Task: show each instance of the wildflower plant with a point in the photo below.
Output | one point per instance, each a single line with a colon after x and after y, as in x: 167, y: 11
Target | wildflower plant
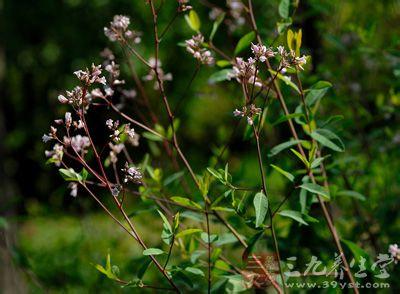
x: 214, y: 215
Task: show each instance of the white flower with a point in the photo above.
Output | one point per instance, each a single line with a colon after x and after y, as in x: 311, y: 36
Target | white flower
x: 91, y: 76
x: 245, y: 72
x: 195, y: 47
x: 132, y: 174
x: 118, y: 27
x: 80, y: 124
x: 46, y: 138
x: 129, y: 93
x: 394, y: 251
x: 109, y: 123
x: 62, y: 99
x: 152, y: 73
x: 68, y: 119
x: 237, y: 112
x: 115, y: 150
x: 80, y: 143
x: 74, y: 189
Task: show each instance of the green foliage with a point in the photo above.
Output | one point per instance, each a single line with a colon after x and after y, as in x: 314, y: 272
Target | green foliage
x: 244, y: 42
x: 357, y: 108
x: 260, y: 203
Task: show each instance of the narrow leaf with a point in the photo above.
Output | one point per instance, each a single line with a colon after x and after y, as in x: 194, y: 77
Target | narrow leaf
x: 295, y: 215
x: 216, y: 25
x: 165, y: 220
x: 325, y: 137
x: 316, y: 189
x: 195, y: 271
x: 186, y: 202
x: 219, y: 76
x: 278, y: 148
x: 283, y: 172
x: 187, y: 232
x: 260, y: 202
x: 152, y: 251
x: 244, y: 42
x: 317, y: 91
x: 353, y: 194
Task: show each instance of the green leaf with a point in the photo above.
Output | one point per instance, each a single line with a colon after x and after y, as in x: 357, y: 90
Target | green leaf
x: 153, y: 251
x: 301, y: 157
x: 70, y: 175
x: 226, y: 238
x: 278, y: 148
x: 260, y: 203
x: 223, y: 63
x: 172, y: 178
x: 283, y: 9
x: 204, y: 237
x: 283, y: 25
x: 187, y: 232
x: 152, y: 137
x: 295, y: 215
x: 252, y: 242
x: 353, y: 194
x: 316, y: 189
x: 286, y: 80
x: 195, y: 271
x: 325, y: 137
x: 186, y: 202
x: 287, y: 117
x: 216, y: 24
x: 219, y: 76
x: 317, y: 162
x: 3, y: 223
x: 193, y: 215
x: 108, y: 270
x: 316, y: 92
x: 357, y: 251
x: 193, y: 20
x: 196, y: 255
x: 244, y: 42
x: 143, y: 268
x: 283, y: 172
x: 165, y: 220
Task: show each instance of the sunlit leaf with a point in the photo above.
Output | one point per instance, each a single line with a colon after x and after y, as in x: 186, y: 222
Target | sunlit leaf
x: 153, y: 251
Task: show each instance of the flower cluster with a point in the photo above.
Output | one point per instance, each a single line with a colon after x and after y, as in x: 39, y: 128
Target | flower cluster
x: 56, y: 154
x: 236, y: 10
x: 113, y: 69
x: 80, y: 143
x: 74, y: 97
x: 115, y: 149
x: 245, y: 72
x: 115, y: 136
x: 289, y: 58
x: 118, y: 28
x: 183, y: 5
x: 250, y: 112
x: 132, y: 174
x: 394, y: 251
x: 91, y: 76
x: 261, y: 52
x: 152, y: 73
x: 195, y: 47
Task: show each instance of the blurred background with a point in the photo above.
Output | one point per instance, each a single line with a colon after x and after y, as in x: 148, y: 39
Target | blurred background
x: 49, y: 239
